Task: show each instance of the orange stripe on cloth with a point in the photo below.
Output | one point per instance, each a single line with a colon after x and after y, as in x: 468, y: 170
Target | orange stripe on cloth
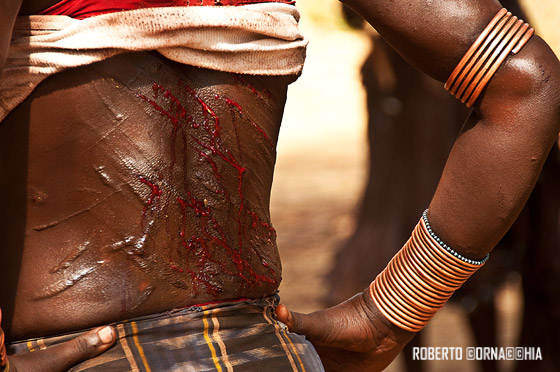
x: 277, y: 330
x: 209, y: 341
x: 294, y: 349
x: 139, y: 347
x: 126, y: 349
x: 30, y: 346
x: 221, y: 344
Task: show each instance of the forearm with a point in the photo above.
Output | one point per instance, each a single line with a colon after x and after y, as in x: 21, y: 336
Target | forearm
x: 490, y: 172
x: 8, y: 13
x: 492, y: 167
x: 498, y: 155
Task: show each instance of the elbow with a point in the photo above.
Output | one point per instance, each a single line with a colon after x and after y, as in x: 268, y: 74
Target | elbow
x: 538, y: 80
x: 526, y: 88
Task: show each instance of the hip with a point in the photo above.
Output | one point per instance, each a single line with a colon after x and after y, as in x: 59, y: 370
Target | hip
x: 227, y: 336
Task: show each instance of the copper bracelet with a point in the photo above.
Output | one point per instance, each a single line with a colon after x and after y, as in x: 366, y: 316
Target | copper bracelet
x: 420, y: 279
x: 504, y: 35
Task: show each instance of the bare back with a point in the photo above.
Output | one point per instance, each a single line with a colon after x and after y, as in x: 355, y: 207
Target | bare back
x: 133, y: 186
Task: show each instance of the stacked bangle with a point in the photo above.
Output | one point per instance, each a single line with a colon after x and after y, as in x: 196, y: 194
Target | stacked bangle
x: 504, y: 34
x: 420, y: 279
x: 4, y: 366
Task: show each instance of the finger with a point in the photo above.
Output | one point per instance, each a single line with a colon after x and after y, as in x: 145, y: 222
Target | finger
x: 62, y: 357
x: 294, y: 321
x: 305, y: 324
x: 84, y: 347
x: 284, y: 315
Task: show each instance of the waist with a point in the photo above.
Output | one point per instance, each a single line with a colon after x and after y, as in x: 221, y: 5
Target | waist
x: 81, y: 9
x: 190, y: 313
x: 244, y: 334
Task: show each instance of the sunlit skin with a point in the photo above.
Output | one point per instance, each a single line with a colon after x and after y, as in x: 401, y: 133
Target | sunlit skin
x: 119, y: 210
x: 140, y: 195
x: 489, y: 174
x: 135, y: 186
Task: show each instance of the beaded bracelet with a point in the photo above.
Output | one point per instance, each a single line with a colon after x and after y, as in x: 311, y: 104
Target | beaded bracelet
x: 420, y: 278
x: 504, y: 34
x: 446, y: 247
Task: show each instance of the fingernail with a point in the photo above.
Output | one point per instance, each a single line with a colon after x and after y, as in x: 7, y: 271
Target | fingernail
x: 105, y: 335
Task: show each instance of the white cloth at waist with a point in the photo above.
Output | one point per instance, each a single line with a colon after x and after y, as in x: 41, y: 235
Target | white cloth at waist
x: 258, y: 39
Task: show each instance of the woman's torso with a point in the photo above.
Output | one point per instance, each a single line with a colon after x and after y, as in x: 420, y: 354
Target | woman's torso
x: 134, y: 186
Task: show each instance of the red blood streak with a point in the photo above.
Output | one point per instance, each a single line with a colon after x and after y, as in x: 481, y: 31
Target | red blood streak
x: 207, y: 236
x: 235, y: 105
x: 174, y: 105
x: 155, y: 193
x: 231, y: 102
x: 174, y: 267
x: 176, y: 114
x: 242, y: 81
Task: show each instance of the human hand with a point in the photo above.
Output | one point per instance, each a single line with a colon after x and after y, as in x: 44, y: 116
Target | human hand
x: 352, y: 336
x: 61, y: 357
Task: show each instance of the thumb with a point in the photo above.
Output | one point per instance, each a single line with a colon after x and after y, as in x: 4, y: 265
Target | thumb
x: 63, y: 356
x: 285, y: 316
x: 308, y: 325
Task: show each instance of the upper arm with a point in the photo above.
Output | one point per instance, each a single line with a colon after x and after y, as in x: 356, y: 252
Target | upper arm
x: 431, y: 35
x: 8, y: 13
x: 499, y: 153
x: 434, y: 35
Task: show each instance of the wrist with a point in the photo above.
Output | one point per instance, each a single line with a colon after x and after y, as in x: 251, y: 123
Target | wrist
x: 388, y: 339
x: 382, y: 325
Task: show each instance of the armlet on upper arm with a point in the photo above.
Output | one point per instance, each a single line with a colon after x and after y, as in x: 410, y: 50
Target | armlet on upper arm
x: 504, y: 34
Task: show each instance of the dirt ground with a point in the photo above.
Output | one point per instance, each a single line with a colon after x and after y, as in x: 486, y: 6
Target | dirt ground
x: 321, y: 171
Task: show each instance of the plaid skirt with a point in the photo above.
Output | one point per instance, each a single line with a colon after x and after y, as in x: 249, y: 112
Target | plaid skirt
x: 227, y: 337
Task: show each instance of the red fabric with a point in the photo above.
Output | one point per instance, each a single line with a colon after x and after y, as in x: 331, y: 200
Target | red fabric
x: 81, y: 9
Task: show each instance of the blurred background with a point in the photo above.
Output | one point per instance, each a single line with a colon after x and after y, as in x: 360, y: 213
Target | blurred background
x: 323, y: 178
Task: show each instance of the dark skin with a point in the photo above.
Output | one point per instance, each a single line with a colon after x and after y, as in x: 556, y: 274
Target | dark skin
x: 489, y: 174
x: 488, y: 177
x: 130, y: 192
x: 142, y: 213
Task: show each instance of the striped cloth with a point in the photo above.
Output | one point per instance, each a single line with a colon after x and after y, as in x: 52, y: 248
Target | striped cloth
x: 228, y: 337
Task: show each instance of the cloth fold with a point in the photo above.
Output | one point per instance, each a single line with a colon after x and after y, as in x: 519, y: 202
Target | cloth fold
x: 257, y: 39
x: 241, y: 336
